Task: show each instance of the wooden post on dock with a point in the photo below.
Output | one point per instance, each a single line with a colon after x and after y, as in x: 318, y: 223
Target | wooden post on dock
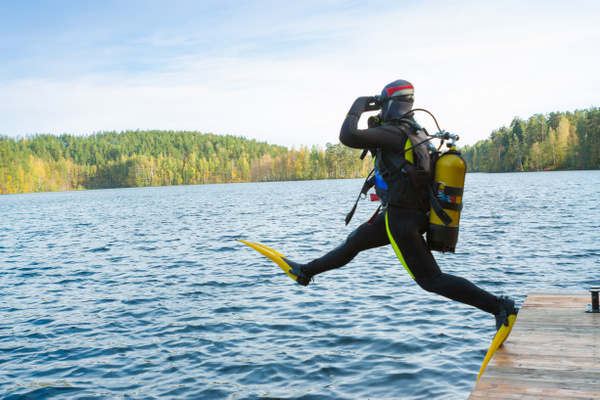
x: 553, y: 352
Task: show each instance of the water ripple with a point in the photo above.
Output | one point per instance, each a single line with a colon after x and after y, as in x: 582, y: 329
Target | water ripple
x: 144, y: 293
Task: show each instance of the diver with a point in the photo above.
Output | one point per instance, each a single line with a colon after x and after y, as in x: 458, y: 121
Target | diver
x: 402, y: 176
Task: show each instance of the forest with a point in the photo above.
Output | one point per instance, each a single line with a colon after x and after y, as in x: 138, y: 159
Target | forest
x: 556, y: 141
x: 43, y: 162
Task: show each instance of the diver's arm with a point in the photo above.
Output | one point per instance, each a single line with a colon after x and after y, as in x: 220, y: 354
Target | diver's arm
x: 380, y: 137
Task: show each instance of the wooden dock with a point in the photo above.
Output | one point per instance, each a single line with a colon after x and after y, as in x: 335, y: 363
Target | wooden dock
x: 553, y: 352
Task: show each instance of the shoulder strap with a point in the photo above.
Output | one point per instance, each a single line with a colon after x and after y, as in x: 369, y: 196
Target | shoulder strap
x: 369, y: 183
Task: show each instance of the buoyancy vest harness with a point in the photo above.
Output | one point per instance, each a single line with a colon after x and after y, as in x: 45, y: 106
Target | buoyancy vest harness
x: 402, y: 178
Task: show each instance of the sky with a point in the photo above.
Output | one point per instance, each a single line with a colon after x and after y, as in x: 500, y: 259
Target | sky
x: 287, y: 72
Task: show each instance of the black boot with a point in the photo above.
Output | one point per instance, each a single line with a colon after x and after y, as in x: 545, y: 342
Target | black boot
x: 507, y: 307
x: 298, y: 270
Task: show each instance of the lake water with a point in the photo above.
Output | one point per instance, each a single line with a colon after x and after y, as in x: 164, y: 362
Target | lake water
x: 145, y: 293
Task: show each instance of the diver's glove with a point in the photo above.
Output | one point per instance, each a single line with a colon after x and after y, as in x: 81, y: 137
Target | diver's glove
x: 373, y: 104
x: 362, y: 104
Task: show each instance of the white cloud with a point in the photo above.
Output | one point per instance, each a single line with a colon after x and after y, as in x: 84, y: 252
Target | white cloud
x: 290, y: 76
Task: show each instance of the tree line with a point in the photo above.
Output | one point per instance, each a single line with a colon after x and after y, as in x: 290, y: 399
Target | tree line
x: 42, y: 162
x: 555, y: 141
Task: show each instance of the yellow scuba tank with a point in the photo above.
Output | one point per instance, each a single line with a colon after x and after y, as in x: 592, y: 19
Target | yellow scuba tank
x: 448, y: 187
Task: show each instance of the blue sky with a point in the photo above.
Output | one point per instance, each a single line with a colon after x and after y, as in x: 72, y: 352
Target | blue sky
x: 287, y: 72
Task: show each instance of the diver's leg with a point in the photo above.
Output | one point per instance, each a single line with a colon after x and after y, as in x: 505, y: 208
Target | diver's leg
x: 406, y: 228
x: 366, y: 236
x: 462, y: 290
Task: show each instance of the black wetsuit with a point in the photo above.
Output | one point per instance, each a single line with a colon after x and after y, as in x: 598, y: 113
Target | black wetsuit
x: 399, y: 226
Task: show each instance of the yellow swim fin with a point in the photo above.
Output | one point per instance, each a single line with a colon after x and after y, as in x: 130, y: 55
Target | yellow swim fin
x: 273, y: 255
x: 500, y: 337
x: 268, y: 249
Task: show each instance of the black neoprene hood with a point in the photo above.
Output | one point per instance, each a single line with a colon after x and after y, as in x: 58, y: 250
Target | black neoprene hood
x: 396, y: 99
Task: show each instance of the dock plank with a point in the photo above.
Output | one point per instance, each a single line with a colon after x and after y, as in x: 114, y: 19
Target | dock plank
x: 553, y: 352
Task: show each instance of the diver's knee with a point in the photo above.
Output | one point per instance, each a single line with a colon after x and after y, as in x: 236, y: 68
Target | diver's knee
x: 429, y: 284
x: 426, y: 284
